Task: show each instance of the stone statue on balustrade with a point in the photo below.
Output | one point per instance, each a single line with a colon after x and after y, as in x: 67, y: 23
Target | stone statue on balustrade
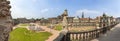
x: 65, y: 14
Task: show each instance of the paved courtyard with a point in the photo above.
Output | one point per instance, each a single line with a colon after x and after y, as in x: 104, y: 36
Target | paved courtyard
x: 113, y: 35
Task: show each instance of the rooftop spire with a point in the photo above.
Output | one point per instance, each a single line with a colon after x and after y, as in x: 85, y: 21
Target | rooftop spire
x: 82, y: 14
x: 104, y: 14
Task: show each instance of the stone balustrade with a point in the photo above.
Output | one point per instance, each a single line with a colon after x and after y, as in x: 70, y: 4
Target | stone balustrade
x: 84, y: 36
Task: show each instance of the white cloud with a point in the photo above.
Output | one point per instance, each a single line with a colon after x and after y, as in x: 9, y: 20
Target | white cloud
x: 44, y: 10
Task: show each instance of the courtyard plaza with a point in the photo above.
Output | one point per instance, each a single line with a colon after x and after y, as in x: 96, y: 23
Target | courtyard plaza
x: 55, y: 31
x: 51, y: 32
x: 21, y: 33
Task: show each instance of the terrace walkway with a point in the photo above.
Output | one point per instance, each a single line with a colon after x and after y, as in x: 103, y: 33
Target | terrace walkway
x: 113, y: 35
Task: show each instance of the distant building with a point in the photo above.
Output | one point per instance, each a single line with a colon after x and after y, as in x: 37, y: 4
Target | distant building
x: 54, y: 20
x: 70, y: 20
x: 22, y: 20
x: 77, y: 22
x: 99, y: 21
x: 106, y: 20
x: 44, y: 21
x: 118, y: 19
x: 15, y: 22
x: 32, y: 20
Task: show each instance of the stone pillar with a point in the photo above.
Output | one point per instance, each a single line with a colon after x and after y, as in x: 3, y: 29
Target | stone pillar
x: 5, y: 20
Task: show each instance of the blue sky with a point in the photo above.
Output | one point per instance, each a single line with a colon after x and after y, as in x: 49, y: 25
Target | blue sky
x: 53, y: 8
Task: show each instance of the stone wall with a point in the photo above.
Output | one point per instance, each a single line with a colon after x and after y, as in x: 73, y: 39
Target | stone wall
x: 5, y: 20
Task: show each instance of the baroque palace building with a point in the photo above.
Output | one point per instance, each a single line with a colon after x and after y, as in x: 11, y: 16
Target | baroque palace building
x: 70, y: 20
x: 58, y: 19
x: 99, y: 21
x: 5, y: 20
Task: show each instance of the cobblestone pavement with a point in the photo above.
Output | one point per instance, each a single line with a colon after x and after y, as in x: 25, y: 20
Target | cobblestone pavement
x: 113, y: 35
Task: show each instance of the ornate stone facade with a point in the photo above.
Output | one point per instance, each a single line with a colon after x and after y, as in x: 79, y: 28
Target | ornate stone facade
x: 118, y: 20
x: 106, y: 20
x: 5, y: 20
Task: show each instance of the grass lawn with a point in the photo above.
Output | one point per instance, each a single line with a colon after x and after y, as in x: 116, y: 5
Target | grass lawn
x: 58, y: 27
x: 22, y: 34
